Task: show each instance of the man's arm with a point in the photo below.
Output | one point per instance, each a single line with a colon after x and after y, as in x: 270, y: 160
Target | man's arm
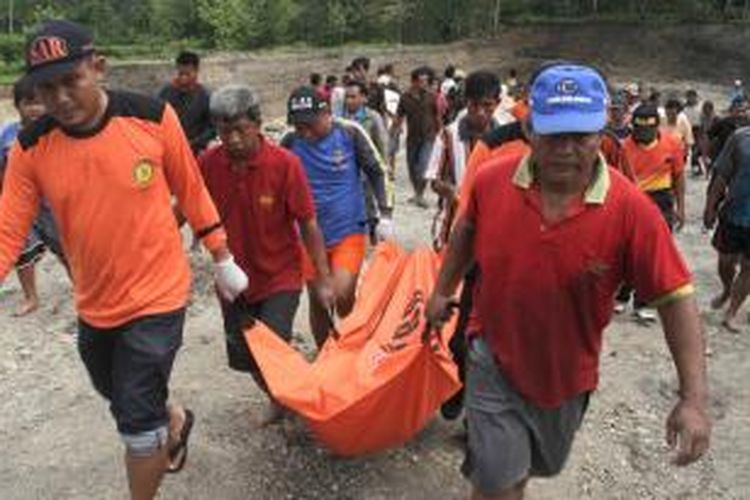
x: 679, y: 192
x: 688, y: 426
x: 398, y: 119
x: 374, y: 167
x: 724, y: 169
x: 208, y: 133
x: 655, y: 267
x: 380, y: 134
x: 315, y: 246
x: 186, y: 183
x: 458, y: 260
x: 19, y: 205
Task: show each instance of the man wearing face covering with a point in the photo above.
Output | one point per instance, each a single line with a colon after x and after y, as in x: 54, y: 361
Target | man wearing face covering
x: 658, y: 164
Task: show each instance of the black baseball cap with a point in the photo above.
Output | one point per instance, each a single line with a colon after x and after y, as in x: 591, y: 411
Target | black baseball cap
x: 646, y: 115
x: 55, y: 48
x: 304, y: 105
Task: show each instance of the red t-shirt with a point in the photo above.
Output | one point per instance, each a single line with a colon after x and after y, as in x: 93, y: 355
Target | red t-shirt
x: 546, y: 292
x: 260, y: 208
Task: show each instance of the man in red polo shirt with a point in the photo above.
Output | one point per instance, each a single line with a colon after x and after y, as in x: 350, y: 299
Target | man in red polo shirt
x: 555, y: 233
x: 265, y: 203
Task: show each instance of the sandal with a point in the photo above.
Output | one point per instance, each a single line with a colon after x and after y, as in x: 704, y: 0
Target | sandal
x: 179, y: 450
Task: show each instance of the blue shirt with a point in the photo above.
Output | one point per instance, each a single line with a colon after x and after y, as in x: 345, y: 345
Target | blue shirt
x: 334, y: 165
x: 733, y: 165
x: 7, y: 138
x: 334, y: 177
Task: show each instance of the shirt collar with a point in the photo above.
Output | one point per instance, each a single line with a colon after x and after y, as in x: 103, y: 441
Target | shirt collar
x: 596, y: 193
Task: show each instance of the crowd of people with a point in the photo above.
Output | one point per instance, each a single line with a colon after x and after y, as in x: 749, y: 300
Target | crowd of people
x: 557, y: 199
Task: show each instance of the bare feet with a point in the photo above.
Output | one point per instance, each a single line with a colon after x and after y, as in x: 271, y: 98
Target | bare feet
x: 26, y: 307
x: 719, y: 301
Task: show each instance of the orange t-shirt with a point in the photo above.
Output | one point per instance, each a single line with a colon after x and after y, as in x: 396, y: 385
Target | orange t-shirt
x: 655, y: 167
x: 110, y: 192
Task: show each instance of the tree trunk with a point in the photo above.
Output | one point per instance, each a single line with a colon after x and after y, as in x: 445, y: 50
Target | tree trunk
x: 496, y: 18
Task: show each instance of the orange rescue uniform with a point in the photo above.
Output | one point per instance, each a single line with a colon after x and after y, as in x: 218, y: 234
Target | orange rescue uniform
x: 110, y: 191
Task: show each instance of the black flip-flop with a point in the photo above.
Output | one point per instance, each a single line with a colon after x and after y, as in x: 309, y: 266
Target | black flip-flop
x: 180, y: 448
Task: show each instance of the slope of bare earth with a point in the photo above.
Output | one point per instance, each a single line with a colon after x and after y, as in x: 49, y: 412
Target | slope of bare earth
x: 712, y: 54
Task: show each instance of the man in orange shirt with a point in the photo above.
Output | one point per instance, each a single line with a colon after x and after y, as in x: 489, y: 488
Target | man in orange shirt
x: 108, y: 164
x: 657, y: 161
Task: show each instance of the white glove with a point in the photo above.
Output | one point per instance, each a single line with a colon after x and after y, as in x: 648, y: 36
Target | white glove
x: 231, y: 281
x: 386, y: 230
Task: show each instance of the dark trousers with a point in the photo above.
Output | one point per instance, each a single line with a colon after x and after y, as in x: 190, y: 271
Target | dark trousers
x: 276, y: 311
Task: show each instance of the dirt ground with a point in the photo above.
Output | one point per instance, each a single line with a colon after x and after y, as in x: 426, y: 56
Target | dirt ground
x: 58, y: 440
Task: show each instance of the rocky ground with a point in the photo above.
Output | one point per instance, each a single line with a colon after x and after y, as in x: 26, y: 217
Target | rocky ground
x: 58, y: 441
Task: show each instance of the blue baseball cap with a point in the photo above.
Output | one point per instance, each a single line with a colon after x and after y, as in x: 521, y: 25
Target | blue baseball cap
x: 568, y: 98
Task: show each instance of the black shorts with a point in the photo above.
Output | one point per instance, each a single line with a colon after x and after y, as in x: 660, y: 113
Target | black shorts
x: 730, y: 239
x: 276, y: 311
x: 130, y: 366
x: 664, y: 199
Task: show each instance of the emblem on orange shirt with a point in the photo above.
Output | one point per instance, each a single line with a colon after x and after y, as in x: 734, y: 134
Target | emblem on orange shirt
x: 143, y: 173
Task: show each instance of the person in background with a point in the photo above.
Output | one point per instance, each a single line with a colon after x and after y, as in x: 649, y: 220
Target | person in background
x: 707, y: 122
x: 692, y: 109
x: 388, y: 108
x: 356, y: 110
x: 336, y: 153
x: 512, y: 81
x: 738, y: 91
x: 419, y: 106
x: 445, y: 172
x: 331, y: 83
x: 190, y: 98
x: 337, y: 100
x: 633, y: 97
x: 615, y: 132
x: 316, y: 82
x: 657, y: 160
x: 722, y: 130
x: 360, y: 69
x: 728, y: 202
x: 449, y: 81
x: 674, y: 121
x: 29, y: 109
x: 454, y: 145
x: 266, y: 205
x: 520, y: 110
